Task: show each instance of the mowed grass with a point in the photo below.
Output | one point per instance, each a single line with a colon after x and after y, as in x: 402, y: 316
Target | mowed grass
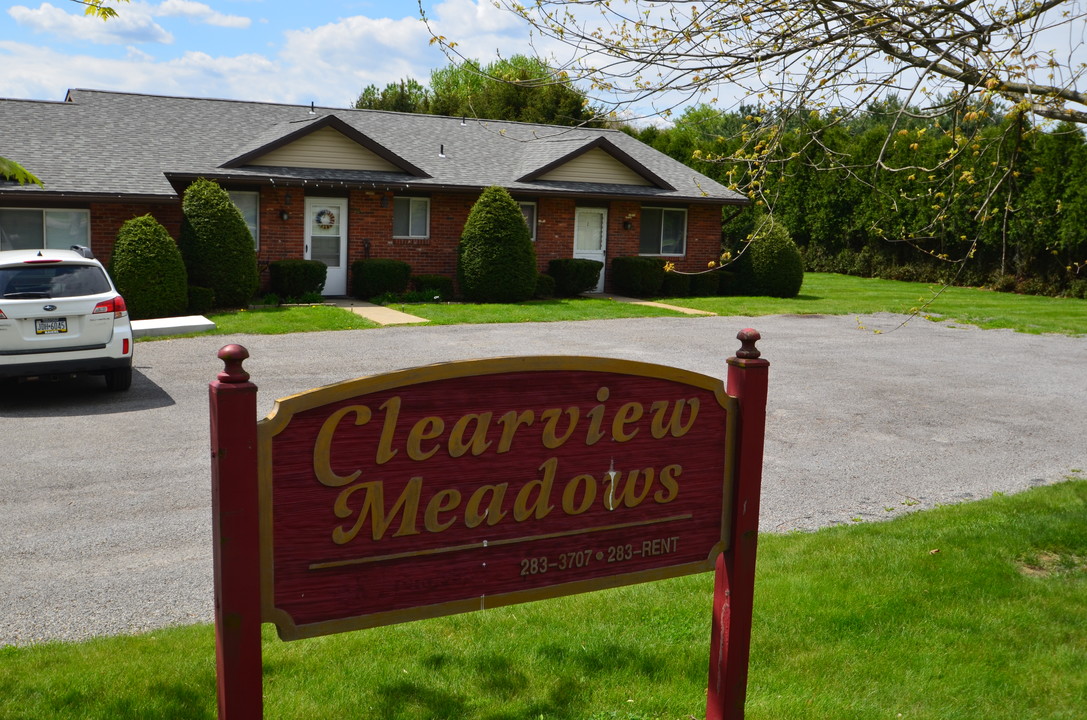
x: 534, y: 311
x: 958, y: 613
x: 830, y: 294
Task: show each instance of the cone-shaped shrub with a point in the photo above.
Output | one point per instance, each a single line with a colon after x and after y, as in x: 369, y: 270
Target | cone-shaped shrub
x: 497, y: 261
x: 772, y: 264
x: 148, y: 270
x: 217, y: 246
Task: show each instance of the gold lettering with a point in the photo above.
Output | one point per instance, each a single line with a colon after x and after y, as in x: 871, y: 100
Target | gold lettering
x: 385, y: 450
x: 428, y: 428
x: 627, y: 494
x: 443, y: 501
x: 596, y: 418
x: 668, y: 479
x: 510, y: 422
x: 628, y: 413
x: 322, y: 448
x: 478, y: 442
x: 373, y: 505
x: 550, y: 439
x: 522, y: 509
x: 674, y: 426
x: 570, y: 493
x: 493, y: 513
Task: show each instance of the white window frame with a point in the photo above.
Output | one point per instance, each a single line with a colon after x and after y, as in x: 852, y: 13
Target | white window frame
x: 660, y: 233
x: 411, y: 201
x: 255, y: 228
x: 45, y: 227
x: 522, y: 204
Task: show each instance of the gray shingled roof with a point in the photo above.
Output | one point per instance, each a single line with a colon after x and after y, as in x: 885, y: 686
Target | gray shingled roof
x: 119, y: 144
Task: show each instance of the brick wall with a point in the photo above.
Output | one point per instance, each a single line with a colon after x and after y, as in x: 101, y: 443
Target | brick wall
x: 107, y: 219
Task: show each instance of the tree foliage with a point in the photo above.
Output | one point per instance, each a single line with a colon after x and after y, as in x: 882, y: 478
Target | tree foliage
x: 519, y: 88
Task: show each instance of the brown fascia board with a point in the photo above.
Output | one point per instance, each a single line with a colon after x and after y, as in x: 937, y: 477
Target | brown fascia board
x: 608, y: 147
x: 29, y: 199
x: 336, y: 124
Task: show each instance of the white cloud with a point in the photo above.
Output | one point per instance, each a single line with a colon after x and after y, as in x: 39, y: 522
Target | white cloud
x: 199, y: 12
x: 131, y: 26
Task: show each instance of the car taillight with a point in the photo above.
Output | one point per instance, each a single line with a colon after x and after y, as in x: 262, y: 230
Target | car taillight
x: 114, y: 305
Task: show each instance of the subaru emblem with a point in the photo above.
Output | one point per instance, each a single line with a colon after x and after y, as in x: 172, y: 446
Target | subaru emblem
x: 49, y: 308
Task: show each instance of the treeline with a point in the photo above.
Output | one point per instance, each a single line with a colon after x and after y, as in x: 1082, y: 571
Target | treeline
x: 978, y: 198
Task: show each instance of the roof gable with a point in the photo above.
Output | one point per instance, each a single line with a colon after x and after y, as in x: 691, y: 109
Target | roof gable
x: 326, y: 143
x: 598, y: 161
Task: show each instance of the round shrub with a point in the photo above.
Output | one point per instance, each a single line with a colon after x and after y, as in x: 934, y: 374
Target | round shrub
x: 201, y: 300
x: 440, y: 285
x: 148, y: 270
x: 295, y: 278
x: 217, y: 246
x: 706, y: 284
x: 379, y: 276
x: 545, y: 286
x: 771, y: 264
x: 574, y: 276
x: 496, y: 258
x: 637, y: 276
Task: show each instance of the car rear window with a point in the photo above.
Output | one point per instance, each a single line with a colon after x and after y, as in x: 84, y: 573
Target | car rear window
x: 52, y: 281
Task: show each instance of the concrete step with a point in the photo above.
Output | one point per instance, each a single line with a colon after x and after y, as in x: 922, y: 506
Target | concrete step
x: 171, y: 325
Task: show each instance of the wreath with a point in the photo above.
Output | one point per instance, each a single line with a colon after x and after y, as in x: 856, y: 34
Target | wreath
x: 325, y: 219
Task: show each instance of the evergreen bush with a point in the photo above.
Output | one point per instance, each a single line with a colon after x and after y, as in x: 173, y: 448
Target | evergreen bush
x: 706, y: 284
x: 675, y: 285
x: 545, y: 286
x: 440, y: 285
x: 216, y: 245
x: 201, y: 300
x: 295, y: 278
x: 637, y: 276
x: 771, y: 264
x: 574, y: 276
x: 378, y: 276
x: 148, y: 270
x: 496, y: 257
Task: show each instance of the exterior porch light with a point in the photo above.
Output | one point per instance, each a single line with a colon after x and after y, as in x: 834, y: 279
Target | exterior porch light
x: 284, y: 215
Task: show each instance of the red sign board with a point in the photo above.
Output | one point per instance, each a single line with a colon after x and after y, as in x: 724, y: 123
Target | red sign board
x: 470, y: 485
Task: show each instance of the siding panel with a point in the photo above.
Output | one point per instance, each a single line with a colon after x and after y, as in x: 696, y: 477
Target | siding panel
x: 595, y: 166
x: 325, y: 148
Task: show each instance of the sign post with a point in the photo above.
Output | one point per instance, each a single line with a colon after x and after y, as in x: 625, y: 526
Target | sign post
x: 469, y: 485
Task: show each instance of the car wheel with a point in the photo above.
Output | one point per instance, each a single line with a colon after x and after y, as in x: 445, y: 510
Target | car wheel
x: 119, y: 379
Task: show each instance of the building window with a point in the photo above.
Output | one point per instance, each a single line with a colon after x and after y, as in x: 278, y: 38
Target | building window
x: 248, y: 203
x: 411, y: 217
x: 664, y: 231
x: 35, y: 229
x: 528, y: 209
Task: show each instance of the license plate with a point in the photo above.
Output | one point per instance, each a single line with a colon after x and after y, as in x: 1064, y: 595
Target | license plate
x: 51, y: 326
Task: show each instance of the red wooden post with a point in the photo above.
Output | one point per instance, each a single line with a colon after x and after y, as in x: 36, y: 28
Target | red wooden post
x: 734, y: 581
x: 235, y: 533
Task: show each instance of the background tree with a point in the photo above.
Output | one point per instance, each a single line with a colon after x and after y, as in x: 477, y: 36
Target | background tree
x: 404, y: 96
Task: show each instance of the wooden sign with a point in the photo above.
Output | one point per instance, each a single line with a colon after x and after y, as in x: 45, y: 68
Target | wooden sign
x: 469, y: 485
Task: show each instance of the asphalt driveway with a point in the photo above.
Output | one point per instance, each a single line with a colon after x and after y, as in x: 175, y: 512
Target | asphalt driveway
x: 105, y: 499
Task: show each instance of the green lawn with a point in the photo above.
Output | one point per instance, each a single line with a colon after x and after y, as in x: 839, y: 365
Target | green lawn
x: 957, y: 613
x: 829, y: 294
x: 822, y: 294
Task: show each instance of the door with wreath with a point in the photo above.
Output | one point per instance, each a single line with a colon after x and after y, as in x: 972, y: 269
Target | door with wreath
x: 326, y: 240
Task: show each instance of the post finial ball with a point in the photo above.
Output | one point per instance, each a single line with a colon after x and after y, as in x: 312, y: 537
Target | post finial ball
x: 748, y: 337
x: 232, y: 357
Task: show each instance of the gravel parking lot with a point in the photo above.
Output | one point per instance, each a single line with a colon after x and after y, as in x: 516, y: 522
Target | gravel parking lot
x: 105, y: 499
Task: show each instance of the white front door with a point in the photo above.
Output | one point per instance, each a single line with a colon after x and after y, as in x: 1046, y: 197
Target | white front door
x: 591, y: 237
x: 326, y: 240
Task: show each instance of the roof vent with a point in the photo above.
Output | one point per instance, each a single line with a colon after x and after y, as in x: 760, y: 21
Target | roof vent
x: 463, y: 120
x: 312, y: 111
x: 441, y: 151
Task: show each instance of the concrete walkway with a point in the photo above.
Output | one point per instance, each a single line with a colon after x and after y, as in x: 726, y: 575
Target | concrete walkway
x: 636, y: 301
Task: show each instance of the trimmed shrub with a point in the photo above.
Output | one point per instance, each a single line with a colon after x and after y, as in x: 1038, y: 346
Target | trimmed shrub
x: 637, y: 276
x: 771, y: 264
x: 440, y: 285
x: 295, y: 278
x: 574, y: 276
x: 545, y: 286
x: 496, y: 258
x: 148, y: 270
x: 378, y: 276
x: 706, y: 284
x: 201, y: 300
x: 217, y: 246
x: 675, y: 285
x: 726, y: 283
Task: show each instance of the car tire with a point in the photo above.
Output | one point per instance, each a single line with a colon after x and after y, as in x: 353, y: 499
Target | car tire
x: 119, y: 379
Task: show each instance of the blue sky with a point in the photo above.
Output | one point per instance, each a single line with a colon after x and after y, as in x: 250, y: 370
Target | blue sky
x: 268, y: 50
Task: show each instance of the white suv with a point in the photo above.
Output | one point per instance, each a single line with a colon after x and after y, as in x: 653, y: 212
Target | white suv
x: 60, y: 315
